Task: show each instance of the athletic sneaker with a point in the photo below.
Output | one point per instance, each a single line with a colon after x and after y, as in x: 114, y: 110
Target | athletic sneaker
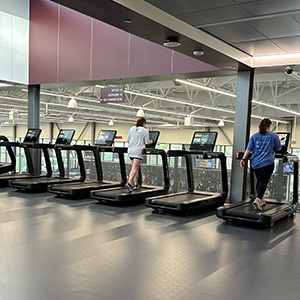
x: 129, y: 186
x: 136, y: 187
x: 257, y: 204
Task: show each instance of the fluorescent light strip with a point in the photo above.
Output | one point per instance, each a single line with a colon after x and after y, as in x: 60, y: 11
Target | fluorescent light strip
x: 276, y: 107
x: 177, y: 101
x: 286, y: 55
x: 205, y: 87
x: 273, y: 120
x: 171, y: 113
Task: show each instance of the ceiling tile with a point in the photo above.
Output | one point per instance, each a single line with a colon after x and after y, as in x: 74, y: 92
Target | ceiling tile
x: 214, y: 15
x: 290, y: 44
x: 175, y: 7
x: 232, y: 33
x: 258, y: 8
x: 277, y: 26
x: 257, y: 48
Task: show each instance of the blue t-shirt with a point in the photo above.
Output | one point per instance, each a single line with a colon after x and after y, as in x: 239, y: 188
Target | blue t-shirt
x: 263, y: 149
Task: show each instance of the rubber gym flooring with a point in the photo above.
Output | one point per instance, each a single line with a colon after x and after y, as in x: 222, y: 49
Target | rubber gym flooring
x: 63, y: 249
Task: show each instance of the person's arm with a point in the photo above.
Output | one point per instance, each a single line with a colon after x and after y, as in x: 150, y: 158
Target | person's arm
x: 147, y: 141
x: 245, y: 156
x: 278, y: 145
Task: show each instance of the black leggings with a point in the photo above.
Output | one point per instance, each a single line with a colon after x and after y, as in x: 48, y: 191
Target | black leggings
x: 263, y: 176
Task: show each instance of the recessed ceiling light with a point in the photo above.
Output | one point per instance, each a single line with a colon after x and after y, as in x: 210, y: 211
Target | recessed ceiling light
x: 172, y: 43
x: 198, y: 52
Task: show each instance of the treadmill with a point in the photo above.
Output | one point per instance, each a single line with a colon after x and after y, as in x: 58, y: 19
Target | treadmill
x: 121, y: 195
x: 275, y: 209
x: 30, y: 139
x: 63, y: 141
x: 6, y: 167
x: 79, y: 190
x: 202, y: 146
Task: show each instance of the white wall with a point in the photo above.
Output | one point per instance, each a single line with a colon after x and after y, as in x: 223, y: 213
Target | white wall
x: 14, y: 40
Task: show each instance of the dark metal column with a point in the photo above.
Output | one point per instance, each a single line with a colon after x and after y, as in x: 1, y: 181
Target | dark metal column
x: 34, y: 120
x: 241, y: 132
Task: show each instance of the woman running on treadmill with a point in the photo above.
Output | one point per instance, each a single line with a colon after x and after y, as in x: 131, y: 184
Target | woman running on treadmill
x: 263, y: 145
x: 138, y: 138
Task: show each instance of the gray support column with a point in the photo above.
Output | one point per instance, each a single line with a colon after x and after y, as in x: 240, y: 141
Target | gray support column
x: 241, y: 131
x: 93, y: 133
x: 34, y: 120
x: 51, y: 131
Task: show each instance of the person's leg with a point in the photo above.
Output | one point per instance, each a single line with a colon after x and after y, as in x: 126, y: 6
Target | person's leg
x: 264, y: 177
x: 134, y: 173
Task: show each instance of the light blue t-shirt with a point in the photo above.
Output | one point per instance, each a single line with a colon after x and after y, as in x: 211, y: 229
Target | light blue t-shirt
x: 263, y: 149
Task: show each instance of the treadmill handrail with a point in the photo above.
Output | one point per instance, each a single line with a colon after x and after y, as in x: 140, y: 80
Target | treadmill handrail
x: 206, y: 155
x: 11, y: 153
x: 286, y: 157
x: 58, y: 148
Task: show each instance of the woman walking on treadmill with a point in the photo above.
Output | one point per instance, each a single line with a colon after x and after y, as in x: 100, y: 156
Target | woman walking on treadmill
x: 138, y: 138
x: 263, y: 145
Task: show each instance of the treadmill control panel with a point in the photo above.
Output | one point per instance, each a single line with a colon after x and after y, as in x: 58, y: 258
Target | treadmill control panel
x: 32, y: 135
x: 284, y: 138
x: 153, y: 135
x: 65, y: 136
x: 204, y: 141
x: 106, y: 137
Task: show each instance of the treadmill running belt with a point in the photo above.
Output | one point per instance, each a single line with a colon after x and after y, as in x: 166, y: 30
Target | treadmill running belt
x: 249, y: 210
x: 179, y: 198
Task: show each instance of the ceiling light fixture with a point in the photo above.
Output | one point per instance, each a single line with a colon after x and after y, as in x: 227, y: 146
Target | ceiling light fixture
x: 111, y: 123
x: 71, y: 119
x: 72, y: 103
x: 221, y: 123
x: 140, y: 113
x: 172, y: 42
x: 198, y: 52
x: 205, y: 87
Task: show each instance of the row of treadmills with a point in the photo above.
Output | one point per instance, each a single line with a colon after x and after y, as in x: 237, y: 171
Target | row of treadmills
x: 156, y: 197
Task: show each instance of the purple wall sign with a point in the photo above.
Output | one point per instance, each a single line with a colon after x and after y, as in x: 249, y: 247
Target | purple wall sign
x: 112, y: 94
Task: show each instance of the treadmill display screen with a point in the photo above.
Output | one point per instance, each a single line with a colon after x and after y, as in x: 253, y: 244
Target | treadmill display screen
x: 32, y: 135
x: 204, y: 141
x: 153, y: 135
x: 65, y: 136
x: 106, y: 137
x: 284, y: 141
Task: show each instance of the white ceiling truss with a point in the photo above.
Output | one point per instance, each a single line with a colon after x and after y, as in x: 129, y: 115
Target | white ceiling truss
x: 164, y: 102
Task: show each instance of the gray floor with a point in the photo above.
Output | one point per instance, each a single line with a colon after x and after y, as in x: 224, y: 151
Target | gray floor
x: 59, y: 249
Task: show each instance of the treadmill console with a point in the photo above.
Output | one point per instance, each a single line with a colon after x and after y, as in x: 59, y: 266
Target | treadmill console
x: 284, y: 138
x: 65, y: 137
x: 204, y: 141
x: 106, y: 138
x: 32, y: 135
x: 153, y: 135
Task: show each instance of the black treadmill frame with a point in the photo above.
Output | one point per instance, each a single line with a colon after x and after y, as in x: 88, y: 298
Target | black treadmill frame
x: 268, y: 217
x: 122, y: 195
x: 69, y: 192
x: 205, y: 198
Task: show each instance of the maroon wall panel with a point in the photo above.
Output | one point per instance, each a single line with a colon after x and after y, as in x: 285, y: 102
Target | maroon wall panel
x: 109, y: 52
x: 186, y: 64
x: 74, y: 46
x: 66, y: 46
x: 147, y: 58
x: 43, y: 39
